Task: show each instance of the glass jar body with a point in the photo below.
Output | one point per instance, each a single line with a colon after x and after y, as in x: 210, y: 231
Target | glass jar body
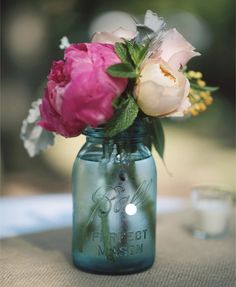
x: 114, y: 206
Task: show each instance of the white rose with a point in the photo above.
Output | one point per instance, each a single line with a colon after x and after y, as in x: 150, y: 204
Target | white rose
x: 161, y: 91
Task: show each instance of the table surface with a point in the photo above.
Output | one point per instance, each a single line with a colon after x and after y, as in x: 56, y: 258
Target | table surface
x: 44, y: 258
x: 30, y: 214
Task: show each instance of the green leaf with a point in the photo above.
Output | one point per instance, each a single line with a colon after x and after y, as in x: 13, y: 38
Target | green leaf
x: 130, y: 48
x: 142, y: 53
x: 137, y: 52
x: 158, y: 137
x: 122, y: 70
x: 122, y: 52
x: 117, y: 102
x: 123, y: 118
x: 206, y: 88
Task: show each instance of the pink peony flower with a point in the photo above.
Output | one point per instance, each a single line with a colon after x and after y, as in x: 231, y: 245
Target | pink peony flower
x: 79, y: 92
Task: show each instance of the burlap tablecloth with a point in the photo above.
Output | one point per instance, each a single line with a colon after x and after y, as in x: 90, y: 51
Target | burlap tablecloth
x: 43, y: 259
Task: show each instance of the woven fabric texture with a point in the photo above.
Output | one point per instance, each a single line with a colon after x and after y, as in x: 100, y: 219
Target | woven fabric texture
x: 43, y: 259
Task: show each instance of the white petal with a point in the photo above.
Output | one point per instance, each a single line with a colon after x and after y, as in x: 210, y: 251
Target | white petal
x: 173, y: 42
x: 152, y: 21
x: 158, y: 73
x: 181, y: 58
x: 106, y: 38
x: 185, y: 104
x: 34, y: 112
x: 64, y: 43
x: 35, y: 138
x: 123, y: 33
x: 156, y: 100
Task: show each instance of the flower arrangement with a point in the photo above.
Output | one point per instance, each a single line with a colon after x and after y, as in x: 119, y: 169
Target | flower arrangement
x: 118, y: 79
x: 113, y: 80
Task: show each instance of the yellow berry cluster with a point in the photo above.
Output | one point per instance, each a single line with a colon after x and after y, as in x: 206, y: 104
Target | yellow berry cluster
x: 194, y: 75
x: 198, y: 97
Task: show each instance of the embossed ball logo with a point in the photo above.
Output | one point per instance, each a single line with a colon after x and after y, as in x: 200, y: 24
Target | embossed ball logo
x: 107, y: 198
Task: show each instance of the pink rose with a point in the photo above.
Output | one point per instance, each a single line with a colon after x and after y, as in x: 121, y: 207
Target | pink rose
x: 175, y: 50
x: 79, y: 92
x: 162, y: 90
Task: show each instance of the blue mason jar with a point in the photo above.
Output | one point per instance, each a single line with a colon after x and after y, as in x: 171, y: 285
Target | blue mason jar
x: 114, y: 203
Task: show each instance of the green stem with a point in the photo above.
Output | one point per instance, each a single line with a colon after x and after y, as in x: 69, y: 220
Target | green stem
x: 105, y: 222
x: 123, y: 176
x: 206, y: 88
x: 106, y: 238
x: 147, y: 203
x: 86, y: 227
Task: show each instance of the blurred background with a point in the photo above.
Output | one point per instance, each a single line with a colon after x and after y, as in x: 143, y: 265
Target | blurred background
x: 198, y: 150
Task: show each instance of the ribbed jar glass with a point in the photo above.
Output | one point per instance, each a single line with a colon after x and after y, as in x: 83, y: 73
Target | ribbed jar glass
x: 114, y: 203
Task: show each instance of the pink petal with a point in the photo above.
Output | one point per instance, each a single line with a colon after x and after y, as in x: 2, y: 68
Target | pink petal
x: 180, y: 59
x: 105, y: 37
x: 174, y: 43
x: 124, y: 33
